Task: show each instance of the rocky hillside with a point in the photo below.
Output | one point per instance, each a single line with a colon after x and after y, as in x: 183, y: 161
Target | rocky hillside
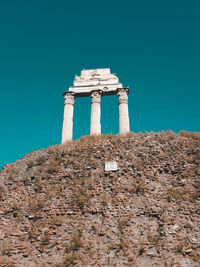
x: 58, y: 207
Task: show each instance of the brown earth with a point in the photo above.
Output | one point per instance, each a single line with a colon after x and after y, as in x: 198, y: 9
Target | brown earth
x: 58, y: 207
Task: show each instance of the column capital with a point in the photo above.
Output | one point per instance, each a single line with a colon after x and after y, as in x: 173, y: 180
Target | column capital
x: 122, y: 95
x: 96, y: 96
x: 69, y: 98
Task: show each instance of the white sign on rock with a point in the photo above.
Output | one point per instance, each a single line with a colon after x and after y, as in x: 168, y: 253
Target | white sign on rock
x: 111, y: 166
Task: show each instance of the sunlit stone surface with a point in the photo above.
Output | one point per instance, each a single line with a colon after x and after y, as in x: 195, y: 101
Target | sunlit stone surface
x: 92, y: 80
x: 110, y: 166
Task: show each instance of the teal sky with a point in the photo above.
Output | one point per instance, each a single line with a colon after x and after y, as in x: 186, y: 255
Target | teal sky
x: 153, y: 46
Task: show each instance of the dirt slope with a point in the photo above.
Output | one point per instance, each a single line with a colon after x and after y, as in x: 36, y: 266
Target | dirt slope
x: 58, y: 207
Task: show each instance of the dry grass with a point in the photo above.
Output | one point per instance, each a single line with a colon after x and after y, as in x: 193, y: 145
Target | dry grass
x: 36, y: 205
x: 105, y: 199
x: 193, y: 135
x: 123, y: 223
x: 7, y: 248
x: 2, y: 191
x: 174, y: 194
x: 41, y: 159
x: 80, y: 198
x: 153, y: 238
x: 141, y: 250
x: 138, y: 187
x: 138, y: 164
x: 53, y: 166
x: 30, y: 163
x: 76, y: 242
x: 11, y: 171
x: 69, y: 261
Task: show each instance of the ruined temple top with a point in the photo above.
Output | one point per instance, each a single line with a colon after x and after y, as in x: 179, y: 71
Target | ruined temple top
x: 95, y: 79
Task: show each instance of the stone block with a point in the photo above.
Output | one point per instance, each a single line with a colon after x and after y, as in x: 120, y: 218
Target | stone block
x: 111, y: 166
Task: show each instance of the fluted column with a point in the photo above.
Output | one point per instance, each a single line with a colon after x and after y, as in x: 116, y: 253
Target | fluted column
x: 67, y: 130
x: 124, y: 126
x: 95, y: 124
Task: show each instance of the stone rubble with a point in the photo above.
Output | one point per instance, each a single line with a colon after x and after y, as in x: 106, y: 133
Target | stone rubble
x: 58, y: 207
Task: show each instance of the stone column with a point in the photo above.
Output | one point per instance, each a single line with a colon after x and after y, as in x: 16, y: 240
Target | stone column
x: 95, y: 124
x: 124, y: 126
x: 67, y: 130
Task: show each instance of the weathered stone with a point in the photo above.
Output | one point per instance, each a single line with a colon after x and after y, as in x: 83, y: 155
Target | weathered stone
x: 111, y: 166
x: 119, y: 221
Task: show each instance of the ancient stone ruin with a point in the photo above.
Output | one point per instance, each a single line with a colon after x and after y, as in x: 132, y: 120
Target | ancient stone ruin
x: 95, y: 83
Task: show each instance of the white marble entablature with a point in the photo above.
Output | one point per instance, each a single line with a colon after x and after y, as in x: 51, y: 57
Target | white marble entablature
x: 93, y: 80
x: 95, y: 77
x: 86, y: 90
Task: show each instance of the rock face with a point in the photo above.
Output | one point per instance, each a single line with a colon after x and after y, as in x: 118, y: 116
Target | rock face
x: 59, y: 207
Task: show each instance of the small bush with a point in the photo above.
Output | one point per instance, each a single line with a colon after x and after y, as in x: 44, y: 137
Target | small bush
x: 138, y: 164
x: 181, y: 246
x: 45, y: 239
x: 30, y: 163
x: 138, y: 187
x: 2, y: 191
x: 153, y: 238
x: 11, y: 171
x: 41, y: 159
x: 76, y: 242
x: 123, y: 222
x: 173, y: 193
x: 122, y: 244
x: 53, y: 166
x: 80, y: 198
x: 69, y: 261
x: 56, y: 220
x: 104, y: 199
x: 7, y: 248
x: 196, y: 193
x: 141, y: 250
x: 194, y: 135
x: 35, y: 205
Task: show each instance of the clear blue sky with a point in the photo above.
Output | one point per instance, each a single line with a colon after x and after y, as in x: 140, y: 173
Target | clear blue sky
x: 153, y: 46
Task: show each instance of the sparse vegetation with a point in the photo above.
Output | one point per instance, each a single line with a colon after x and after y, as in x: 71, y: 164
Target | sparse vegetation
x: 2, y: 191
x: 137, y: 187
x: 53, y: 166
x: 138, y: 164
x: 141, y: 250
x: 60, y: 204
x: 153, y: 238
x: 69, y: 260
x: 7, y: 248
x: 76, y: 241
x: 80, y: 198
x: 104, y: 199
x: 41, y: 159
x: 30, y: 163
